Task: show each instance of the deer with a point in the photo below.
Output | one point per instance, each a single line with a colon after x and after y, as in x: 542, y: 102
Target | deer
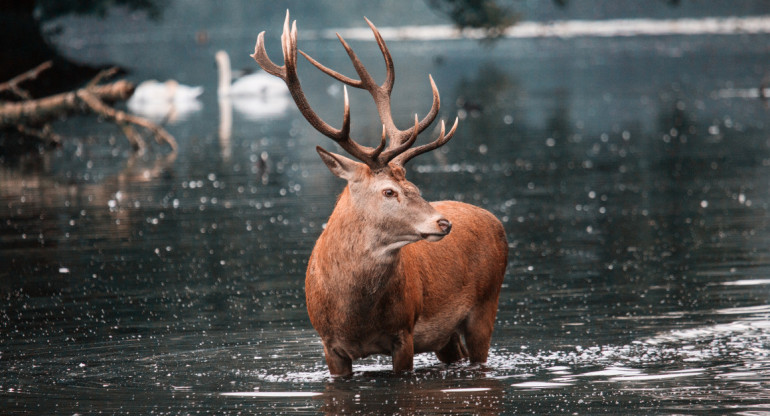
x: 386, y: 275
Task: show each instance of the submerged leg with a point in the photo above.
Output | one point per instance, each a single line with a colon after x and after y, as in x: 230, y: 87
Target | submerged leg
x: 338, y: 365
x: 453, y: 351
x: 478, y: 331
x: 403, y: 352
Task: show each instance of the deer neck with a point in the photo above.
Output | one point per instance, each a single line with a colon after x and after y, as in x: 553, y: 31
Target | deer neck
x: 355, y: 250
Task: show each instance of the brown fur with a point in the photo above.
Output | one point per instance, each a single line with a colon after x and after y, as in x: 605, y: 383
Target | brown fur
x: 374, y: 283
x: 426, y: 296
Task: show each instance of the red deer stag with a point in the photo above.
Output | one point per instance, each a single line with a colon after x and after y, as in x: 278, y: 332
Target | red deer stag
x: 386, y: 276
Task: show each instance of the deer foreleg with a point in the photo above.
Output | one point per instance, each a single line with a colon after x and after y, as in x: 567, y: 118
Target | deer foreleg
x: 403, y: 352
x: 339, y: 365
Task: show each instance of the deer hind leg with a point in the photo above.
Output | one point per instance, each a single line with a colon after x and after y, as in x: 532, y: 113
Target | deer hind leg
x: 453, y: 351
x: 478, y: 331
x: 339, y: 365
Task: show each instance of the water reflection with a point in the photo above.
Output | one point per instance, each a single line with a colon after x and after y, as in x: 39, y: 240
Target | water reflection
x: 635, y: 200
x: 225, y: 131
x: 481, y: 396
x: 256, y: 97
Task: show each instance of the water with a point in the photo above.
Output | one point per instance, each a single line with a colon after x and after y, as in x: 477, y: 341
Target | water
x: 630, y: 174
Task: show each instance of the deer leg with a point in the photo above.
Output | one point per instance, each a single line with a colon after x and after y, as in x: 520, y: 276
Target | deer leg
x: 453, y: 351
x: 403, y: 352
x: 339, y: 365
x: 478, y: 331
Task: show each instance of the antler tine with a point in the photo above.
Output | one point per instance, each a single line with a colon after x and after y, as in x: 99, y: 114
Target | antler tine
x: 431, y: 116
x: 346, y: 114
x: 400, y: 139
x: 332, y: 73
x: 288, y: 73
x: 286, y: 43
x: 441, y: 140
x: 260, y: 55
x: 397, y: 150
x: 390, y: 76
x: 366, y: 81
x: 380, y: 93
x: 381, y: 147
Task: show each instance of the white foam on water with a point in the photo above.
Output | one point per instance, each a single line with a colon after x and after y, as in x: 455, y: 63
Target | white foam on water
x: 272, y: 394
x: 744, y: 310
x: 466, y: 390
x: 661, y: 376
x: 541, y: 385
x: 757, y: 325
x: 739, y: 375
x: 320, y: 373
x: 298, y: 377
x: 611, y: 371
x: 668, y: 355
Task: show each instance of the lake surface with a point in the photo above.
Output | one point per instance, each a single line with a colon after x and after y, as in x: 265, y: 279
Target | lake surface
x: 631, y: 174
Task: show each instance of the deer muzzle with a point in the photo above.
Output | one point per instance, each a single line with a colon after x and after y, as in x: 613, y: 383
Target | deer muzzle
x: 445, y: 225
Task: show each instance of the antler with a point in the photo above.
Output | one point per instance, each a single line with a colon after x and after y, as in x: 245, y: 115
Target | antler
x: 398, y: 149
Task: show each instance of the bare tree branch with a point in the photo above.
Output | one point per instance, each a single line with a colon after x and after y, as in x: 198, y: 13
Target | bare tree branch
x: 32, y: 112
x: 121, y: 117
x: 13, y: 84
x: 24, y: 115
x: 102, y: 75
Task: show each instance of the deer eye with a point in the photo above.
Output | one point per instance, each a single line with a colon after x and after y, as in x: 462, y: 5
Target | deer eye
x: 389, y: 193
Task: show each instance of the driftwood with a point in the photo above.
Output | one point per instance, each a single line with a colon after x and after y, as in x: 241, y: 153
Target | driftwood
x: 30, y: 117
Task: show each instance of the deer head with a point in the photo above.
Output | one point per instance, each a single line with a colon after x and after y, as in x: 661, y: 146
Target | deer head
x: 378, y: 188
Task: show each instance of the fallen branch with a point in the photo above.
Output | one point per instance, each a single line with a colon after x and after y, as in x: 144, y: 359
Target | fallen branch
x: 12, y: 85
x: 122, y: 118
x: 93, y: 97
x: 32, y: 112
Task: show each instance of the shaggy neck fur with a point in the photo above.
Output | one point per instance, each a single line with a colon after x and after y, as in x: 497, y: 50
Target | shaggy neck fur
x: 355, y: 254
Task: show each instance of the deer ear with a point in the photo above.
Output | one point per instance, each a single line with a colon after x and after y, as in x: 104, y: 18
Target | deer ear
x: 340, y: 165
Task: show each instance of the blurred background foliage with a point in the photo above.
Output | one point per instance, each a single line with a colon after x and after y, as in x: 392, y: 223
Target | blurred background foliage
x: 23, y: 42
x: 49, y: 9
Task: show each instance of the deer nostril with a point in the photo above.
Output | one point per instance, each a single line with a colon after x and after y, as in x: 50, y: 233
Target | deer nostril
x: 445, y: 225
